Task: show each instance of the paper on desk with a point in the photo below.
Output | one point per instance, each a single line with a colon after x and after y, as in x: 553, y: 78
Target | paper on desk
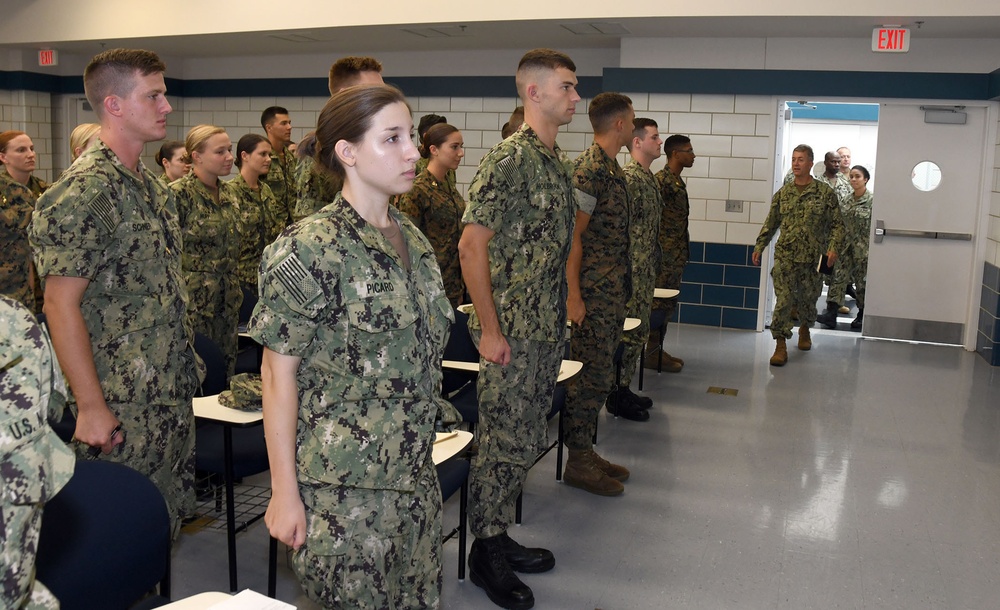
x: 251, y: 600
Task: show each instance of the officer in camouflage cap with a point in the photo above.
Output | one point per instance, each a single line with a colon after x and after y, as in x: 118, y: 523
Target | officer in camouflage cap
x: 644, y: 195
x: 354, y: 318
x: 599, y: 278
x: 35, y: 463
x: 519, y: 225
x: 807, y: 212
x: 436, y: 207
x: 107, y: 241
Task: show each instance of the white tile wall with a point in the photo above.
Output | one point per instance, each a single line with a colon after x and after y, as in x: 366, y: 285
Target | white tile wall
x: 993, y: 245
x: 31, y: 112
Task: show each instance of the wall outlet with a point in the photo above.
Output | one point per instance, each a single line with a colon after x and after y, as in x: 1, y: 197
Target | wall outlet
x: 733, y: 205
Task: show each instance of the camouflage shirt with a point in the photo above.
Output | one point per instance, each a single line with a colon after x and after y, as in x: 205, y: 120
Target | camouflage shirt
x: 281, y: 179
x: 34, y: 462
x: 603, y: 195
x: 259, y: 226
x: 809, y: 220
x: 674, y: 235
x: 315, y: 188
x: 523, y: 192
x: 370, y: 335
x: 436, y: 208
x: 840, y: 184
x: 857, y: 214
x: 645, y: 224
x: 450, y: 177
x: 37, y: 186
x: 120, y: 230
x: 16, y: 205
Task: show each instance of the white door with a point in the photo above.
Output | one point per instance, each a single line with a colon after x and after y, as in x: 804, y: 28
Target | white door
x: 922, y: 268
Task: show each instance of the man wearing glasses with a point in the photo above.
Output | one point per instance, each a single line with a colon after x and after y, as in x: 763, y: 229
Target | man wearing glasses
x: 674, y: 240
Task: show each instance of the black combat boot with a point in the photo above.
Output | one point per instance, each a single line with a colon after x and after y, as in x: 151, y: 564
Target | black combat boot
x: 829, y: 317
x: 489, y: 570
x: 858, y: 321
x: 525, y: 559
x: 625, y: 394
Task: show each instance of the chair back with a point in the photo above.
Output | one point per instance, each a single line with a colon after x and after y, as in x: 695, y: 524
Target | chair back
x: 105, y: 539
x: 215, y: 364
x: 459, y: 347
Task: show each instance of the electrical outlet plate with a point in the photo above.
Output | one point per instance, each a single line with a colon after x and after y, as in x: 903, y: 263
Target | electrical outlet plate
x: 734, y: 205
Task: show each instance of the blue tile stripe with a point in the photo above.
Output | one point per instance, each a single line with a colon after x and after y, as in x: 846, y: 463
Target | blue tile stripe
x: 720, y: 287
x: 988, y: 338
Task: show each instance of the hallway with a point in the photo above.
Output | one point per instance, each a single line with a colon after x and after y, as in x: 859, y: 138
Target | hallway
x: 861, y: 475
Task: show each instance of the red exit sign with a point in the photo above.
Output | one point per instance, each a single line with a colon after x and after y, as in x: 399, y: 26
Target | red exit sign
x: 890, y: 40
x: 48, y: 57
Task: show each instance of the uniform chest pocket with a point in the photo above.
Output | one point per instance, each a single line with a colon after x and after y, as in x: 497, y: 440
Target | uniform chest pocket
x: 382, y: 314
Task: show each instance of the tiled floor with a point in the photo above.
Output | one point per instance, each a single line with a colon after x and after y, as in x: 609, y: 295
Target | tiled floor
x: 861, y: 475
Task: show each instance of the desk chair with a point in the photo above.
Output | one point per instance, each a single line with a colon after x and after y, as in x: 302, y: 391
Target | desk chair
x: 657, y: 321
x: 213, y: 442
x: 453, y: 476
x: 249, y: 353
x: 459, y: 387
x: 105, y: 540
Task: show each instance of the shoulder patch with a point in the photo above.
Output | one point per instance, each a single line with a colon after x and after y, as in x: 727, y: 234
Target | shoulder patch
x: 295, y: 278
x: 104, y: 210
x: 508, y: 168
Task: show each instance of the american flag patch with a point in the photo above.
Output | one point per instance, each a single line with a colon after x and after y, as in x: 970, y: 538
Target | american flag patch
x: 295, y: 278
x: 508, y: 168
x: 104, y: 210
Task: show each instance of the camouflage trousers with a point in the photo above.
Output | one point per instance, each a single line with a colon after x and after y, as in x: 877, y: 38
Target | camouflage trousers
x: 18, y: 546
x: 795, y: 285
x: 640, y: 305
x: 372, y: 548
x: 594, y: 344
x: 669, y: 277
x: 850, y: 268
x: 514, y: 402
x: 159, y: 443
x: 214, y: 311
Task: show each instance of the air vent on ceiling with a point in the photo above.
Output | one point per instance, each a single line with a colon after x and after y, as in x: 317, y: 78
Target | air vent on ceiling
x: 594, y: 29
x: 293, y: 37
x: 441, y: 31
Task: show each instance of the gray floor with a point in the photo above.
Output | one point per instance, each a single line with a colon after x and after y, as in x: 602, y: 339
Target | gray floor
x: 861, y: 475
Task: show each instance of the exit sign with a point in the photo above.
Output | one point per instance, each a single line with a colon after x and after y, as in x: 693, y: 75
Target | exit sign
x: 48, y: 57
x: 890, y: 40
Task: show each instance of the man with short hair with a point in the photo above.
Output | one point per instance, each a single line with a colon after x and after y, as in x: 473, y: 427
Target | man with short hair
x: 845, y: 161
x: 519, y: 224
x: 513, y: 123
x: 644, y: 195
x: 808, y: 214
x: 675, y: 241
x: 598, y: 274
x: 281, y: 175
x: 833, y: 177
x: 315, y: 188
x: 107, y: 240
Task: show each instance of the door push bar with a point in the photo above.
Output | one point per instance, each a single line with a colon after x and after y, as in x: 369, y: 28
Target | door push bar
x: 881, y: 232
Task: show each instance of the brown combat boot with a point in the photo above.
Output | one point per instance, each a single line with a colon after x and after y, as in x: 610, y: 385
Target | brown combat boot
x: 780, y: 356
x: 805, y: 341
x: 616, y: 472
x: 582, y: 472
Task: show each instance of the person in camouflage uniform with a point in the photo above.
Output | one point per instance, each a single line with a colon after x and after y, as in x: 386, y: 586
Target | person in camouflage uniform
x: 354, y: 317
x: 856, y: 210
x: 315, y: 187
x: 599, y: 279
x: 833, y: 177
x: 675, y: 241
x: 173, y: 159
x: 519, y: 225
x: 426, y: 122
x: 210, y: 230
x: 281, y: 174
x: 35, y: 463
x: 259, y: 224
x: 644, y: 194
x: 106, y: 238
x: 436, y: 207
x: 808, y: 215
x: 16, y: 205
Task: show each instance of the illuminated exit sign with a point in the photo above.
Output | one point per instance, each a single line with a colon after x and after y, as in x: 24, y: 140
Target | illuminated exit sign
x: 48, y: 57
x: 890, y: 40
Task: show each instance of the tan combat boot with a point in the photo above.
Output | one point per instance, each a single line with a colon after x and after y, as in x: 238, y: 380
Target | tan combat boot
x: 805, y: 341
x: 616, y: 472
x: 582, y: 472
x: 780, y: 356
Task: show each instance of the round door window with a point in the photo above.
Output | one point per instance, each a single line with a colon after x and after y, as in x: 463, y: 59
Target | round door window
x: 926, y: 176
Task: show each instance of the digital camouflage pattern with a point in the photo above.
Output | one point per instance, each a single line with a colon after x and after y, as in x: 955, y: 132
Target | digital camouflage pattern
x: 675, y: 241
x: 315, y: 188
x: 372, y: 549
x: 35, y: 464
x: 259, y: 226
x: 281, y: 180
x: 120, y: 231
x: 840, y: 184
x: 524, y: 193
x: 335, y: 293
x: 210, y: 233
x: 17, y: 203
x: 514, y: 402
x: 436, y: 208
x: 605, y: 285
x: 647, y: 208
x: 811, y: 225
x: 852, y: 263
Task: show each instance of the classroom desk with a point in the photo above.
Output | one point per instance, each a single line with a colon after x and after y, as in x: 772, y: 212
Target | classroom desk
x: 207, y: 408
x: 567, y: 370
x: 665, y: 293
x: 201, y: 601
x: 630, y: 323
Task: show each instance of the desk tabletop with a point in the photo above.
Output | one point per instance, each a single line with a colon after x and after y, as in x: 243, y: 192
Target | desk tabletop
x: 665, y: 293
x: 567, y: 369
x: 208, y: 407
x: 630, y: 324
x: 449, y: 444
x: 201, y: 601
